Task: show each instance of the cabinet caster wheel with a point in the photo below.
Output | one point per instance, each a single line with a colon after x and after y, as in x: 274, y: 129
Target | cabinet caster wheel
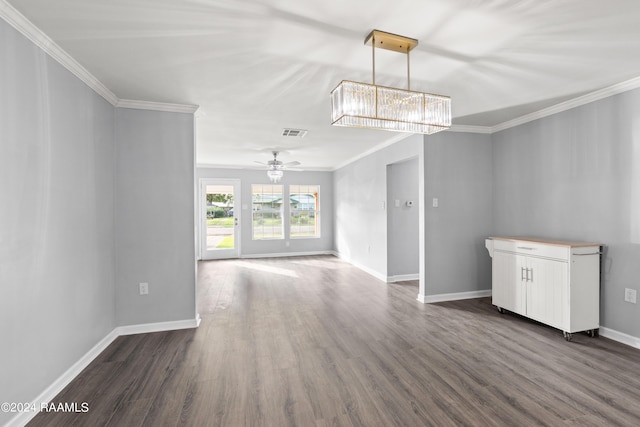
x: 567, y: 336
x: 500, y: 310
x: 593, y: 333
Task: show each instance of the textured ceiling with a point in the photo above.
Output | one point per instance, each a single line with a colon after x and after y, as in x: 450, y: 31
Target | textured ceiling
x: 256, y: 67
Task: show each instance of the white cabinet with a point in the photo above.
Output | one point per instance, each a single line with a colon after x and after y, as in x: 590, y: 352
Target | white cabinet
x: 553, y: 282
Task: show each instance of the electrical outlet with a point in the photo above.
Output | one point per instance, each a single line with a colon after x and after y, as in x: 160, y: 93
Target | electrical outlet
x: 144, y: 288
x: 630, y: 295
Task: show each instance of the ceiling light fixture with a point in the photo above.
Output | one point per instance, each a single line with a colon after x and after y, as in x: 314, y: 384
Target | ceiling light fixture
x: 365, y: 105
x: 275, y: 167
x: 275, y: 175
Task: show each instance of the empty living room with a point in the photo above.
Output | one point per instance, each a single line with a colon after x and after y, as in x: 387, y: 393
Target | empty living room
x: 269, y: 213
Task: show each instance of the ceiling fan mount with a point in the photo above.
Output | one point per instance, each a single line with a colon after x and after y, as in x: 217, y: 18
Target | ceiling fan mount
x: 275, y: 164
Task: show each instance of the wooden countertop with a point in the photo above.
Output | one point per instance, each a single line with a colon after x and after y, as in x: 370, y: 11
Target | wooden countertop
x: 566, y: 243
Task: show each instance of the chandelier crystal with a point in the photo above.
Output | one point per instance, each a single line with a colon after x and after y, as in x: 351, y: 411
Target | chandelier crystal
x: 366, y: 105
x: 275, y: 175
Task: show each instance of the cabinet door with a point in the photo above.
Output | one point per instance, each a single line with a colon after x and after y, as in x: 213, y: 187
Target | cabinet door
x: 508, y: 287
x: 547, y: 290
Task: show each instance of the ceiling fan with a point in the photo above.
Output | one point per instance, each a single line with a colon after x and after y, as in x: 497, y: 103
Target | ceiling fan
x: 275, y: 167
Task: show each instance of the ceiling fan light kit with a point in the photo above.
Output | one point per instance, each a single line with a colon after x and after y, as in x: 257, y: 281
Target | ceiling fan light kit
x: 275, y: 167
x: 275, y: 175
x: 364, y: 105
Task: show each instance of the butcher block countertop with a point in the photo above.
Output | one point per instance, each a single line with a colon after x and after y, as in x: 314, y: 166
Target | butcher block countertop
x: 566, y: 243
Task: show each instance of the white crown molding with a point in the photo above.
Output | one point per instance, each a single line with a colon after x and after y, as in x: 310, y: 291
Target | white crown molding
x: 28, y: 29
x: 258, y: 168
x: 44, y: 42
x: 156, y: 106
x: 399, y: 137
x: 471, y: 129
x: 545, y: 112
x: 18, y: 21
x: 572, y: 103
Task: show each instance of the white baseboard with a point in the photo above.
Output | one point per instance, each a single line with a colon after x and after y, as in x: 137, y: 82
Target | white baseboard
x: 145, y: 328
x: 63, y: 380
x: 286, y: 254
x: 402, y: 278
x: 376, y: 274
x: 620, y: 337
x: 70, y: 374
x: 426, y: 299
x: 612, y: 334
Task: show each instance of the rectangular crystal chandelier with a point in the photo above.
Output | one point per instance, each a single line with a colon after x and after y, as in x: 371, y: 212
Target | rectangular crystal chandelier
x: 366, y: 105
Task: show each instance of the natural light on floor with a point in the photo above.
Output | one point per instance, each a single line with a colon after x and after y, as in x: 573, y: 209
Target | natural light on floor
x: 268, y: 269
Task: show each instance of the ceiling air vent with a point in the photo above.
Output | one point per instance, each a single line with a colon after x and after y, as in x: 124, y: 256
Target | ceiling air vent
x: 299, y: 133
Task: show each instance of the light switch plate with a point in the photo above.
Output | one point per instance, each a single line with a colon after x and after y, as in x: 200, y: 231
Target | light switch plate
x: 630, y: 295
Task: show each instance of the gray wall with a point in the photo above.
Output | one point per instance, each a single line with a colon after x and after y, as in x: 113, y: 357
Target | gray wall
x: 576, y: 175
x: 94, y: 200
x: 155, y: 216
x: 458, y: 172
x: 56, y: 219
x: 263, y: 247
x: 403, y: 227
x: 360, y: 205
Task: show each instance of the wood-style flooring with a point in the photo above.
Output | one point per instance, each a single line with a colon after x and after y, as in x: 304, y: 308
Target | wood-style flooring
x: 313, y: 341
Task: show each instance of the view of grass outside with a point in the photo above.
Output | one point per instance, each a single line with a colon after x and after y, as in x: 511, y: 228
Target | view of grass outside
x: 303, y: 224
x: 226, y: 243
x: 267, y: 211
x: 267, y: 226
x: 226, y: 222
x: 220, y: 222
x: 304, y: 205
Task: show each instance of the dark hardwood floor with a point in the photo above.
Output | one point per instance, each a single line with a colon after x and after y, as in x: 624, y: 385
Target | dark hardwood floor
x: 313, y: 341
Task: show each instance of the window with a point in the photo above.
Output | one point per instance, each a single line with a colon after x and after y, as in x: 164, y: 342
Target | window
x: 267, y: 212
x: 304, y: 209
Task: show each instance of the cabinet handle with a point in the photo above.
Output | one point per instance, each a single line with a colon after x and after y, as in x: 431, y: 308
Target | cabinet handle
x: 530, y: 269
x: 526, y: 248
x: 522, y: 277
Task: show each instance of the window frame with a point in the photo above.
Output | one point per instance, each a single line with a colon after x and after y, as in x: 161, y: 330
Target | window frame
x: 281, y: 211
x: 316, y: 210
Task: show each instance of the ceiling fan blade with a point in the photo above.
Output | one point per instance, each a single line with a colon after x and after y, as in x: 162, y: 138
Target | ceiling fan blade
x: 261, y: 163
x: 294, y: 169
x: 294, y: 163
